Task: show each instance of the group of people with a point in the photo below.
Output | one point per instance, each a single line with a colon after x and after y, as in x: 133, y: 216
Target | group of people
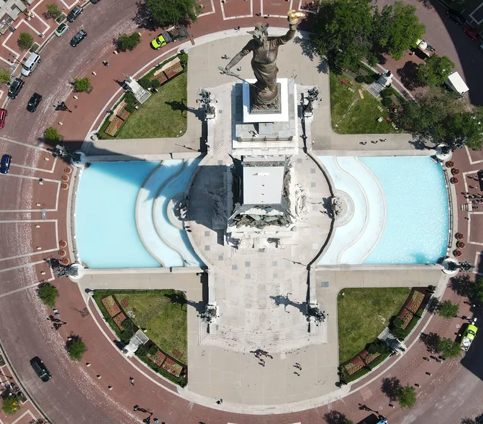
x: 55, y: 319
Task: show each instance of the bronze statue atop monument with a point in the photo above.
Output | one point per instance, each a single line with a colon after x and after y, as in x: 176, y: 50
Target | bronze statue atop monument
x: 264, y: 93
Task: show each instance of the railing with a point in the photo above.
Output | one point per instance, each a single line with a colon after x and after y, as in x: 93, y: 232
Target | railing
x: 450, y: 207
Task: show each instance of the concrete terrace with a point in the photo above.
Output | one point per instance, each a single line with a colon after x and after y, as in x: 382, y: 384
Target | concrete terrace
x: 262, y: 296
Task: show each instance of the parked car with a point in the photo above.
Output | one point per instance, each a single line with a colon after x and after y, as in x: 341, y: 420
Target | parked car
x: 471, y: 32
x: 3, y: 116
x: 34, y: 102
x: 15, y: 87
x: 40, y: 369
x: 179, y: 33
x: 76, y: 39
x: 74, y: 13
x: 469, y: 335
x: 5, y: 163
x: 455, y: 16
x: 61, y: 29
x: 161, y: 40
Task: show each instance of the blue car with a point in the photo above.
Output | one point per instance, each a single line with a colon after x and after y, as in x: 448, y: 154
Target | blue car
x: 5, y: 164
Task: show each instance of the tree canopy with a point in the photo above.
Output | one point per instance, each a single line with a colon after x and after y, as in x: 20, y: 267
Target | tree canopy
x: 347, y: 31
x: 396, y: 28
x: 171, y: 12
x: 434, y: 71
x: 448, y: 309
x: 406, y: 396
x: 448, y: 348
x: 440, y: 117
x: 128, y: 41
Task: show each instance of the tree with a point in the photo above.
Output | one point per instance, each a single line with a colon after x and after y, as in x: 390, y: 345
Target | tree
x: 82, y: 84
x: 476, y: 291
x: 434, y: 71
x: 406, y: 396
x: 171, y: 12
x: 53, y: 11
x: 465, y: 128
x: 10, y: 404
x: 342, y: 32
x: 447, y: 309
x: 5, y: 76
x: 52, y: 135
x: 448, y: 348
x: 396, y: 28
x: 128, y: 42
x: 75, y: 348
x: 25, y: 41
x: 48, y: 294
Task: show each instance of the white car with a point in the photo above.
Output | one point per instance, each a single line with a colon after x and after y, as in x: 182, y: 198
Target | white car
x: 61, y: 29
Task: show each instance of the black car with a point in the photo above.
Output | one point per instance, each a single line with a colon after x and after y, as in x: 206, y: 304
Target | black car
x: 455, y: 16
x: 5, y: 163
x: 74, y: 13
x: 76, y: 39
x: 40, y: 369
x: 15, y: 87
x: 34, y: 102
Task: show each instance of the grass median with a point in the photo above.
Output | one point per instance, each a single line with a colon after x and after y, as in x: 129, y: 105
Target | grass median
x: 363, y: 314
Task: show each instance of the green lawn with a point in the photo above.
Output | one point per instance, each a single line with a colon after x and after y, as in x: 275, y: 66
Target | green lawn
x: 157, y: 118
x: 164, y: 320
x: 363, y: 314
x: 352, y: 114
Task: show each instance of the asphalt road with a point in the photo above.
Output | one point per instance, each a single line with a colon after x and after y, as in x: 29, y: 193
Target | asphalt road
x: 61, y: 64
x: 449, y: 40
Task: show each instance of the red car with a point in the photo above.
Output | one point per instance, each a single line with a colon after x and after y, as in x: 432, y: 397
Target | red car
x: 3, y: 116
x: 471, y: 32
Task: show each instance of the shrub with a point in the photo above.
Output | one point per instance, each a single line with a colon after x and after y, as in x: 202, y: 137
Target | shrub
x: 4, y: 76
x: 53, y: 11
x: 128, y: 42
x: 386, y: 102
x: 82, y: 85
x: 75, y: 348
x: 25, y: 41
x: 129, y: 328
x: 183, y: 59
x: 52, y: 135
x: 131, y: 102
x: 47, y: 294
x: 10, y: 404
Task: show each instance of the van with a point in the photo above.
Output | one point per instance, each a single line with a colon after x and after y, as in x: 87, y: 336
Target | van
x: 30, y: 64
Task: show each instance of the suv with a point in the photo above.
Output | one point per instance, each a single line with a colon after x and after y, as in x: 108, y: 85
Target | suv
x: 61, y: 29
x: 34, y: 102
x: 76, y: 39
x: 74, y: 13
x: 15, y: 87
x: 40, y: 369
x: 5, y: 163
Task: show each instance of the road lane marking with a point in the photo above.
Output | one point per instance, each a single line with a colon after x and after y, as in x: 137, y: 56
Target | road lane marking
x: 10, y: 140
x: 21, y: 266
x: 19, y: 290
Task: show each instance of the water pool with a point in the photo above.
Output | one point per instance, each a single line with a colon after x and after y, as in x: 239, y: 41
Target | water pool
x: 115, y: 221
x: 400, y: 210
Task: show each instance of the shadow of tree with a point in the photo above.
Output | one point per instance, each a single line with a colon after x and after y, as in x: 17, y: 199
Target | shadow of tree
x: 461, y: 284
x: 336, y: 417
x: 177, y: 298
x: 431, y: 341
x: 408, y: 75
x: 390, y: 387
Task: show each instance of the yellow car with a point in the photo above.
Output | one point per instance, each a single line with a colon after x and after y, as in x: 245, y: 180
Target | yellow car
x: 469, y: 335
x: 161, y: 40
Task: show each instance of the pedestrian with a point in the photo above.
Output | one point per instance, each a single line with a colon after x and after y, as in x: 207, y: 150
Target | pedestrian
x: 135, y: 408
x: 155, y: 421
x: 105, y: 63
x: 131, y: 380
x: 428, y: 373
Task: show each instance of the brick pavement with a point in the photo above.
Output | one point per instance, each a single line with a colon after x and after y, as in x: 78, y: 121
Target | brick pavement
x: 174, y: 408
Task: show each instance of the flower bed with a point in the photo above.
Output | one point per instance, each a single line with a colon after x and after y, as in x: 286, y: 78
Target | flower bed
x: 111, y: 306
x: 415, y: 300
x: 118, y: 319
x: 354, y: 365
x: 405, y: 316
x: 158, y: 358
x: 171, y: 366
x: 368, y: 357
